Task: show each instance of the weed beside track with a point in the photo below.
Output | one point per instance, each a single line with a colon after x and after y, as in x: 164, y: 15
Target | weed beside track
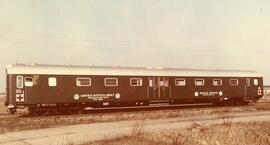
x: 11, y: 123
x: 227, y: 133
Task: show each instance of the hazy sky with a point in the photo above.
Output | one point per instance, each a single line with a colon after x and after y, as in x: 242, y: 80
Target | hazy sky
x: 215, y: 34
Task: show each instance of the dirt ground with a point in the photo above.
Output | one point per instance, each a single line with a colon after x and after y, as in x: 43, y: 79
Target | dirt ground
x: 265, y: 98
x: 227, y: 133
x: 85, y: 133
x: 22, y: 130
x: 9, y: 123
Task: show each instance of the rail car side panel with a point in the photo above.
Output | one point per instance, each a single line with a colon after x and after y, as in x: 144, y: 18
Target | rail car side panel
x: 207, y: 92
x: 66, y: 90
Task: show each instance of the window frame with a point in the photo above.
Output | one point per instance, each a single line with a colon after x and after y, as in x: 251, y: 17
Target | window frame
x: 28, y: 84
x: 179, y: 79
x: 217, y: 80
x: 105, y: 80
x: 248, y: 82
x: 203, y: 82
x: 49, y: 82
x: 140, y: 80
x: 234, y: 84
x: 86, y: 78
x: 22, y: 82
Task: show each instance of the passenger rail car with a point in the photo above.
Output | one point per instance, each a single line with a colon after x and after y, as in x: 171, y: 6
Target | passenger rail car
x: 44, y: 87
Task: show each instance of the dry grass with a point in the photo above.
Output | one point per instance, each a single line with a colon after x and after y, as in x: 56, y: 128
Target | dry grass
x: 10, y: 123
x: 2, y: 106
x: 265, y: 98
x: 255, y: 133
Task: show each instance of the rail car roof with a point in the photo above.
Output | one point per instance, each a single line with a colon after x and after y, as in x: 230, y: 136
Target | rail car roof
x: 123, y: 71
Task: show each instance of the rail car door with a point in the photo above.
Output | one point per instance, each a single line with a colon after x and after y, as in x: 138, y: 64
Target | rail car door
x: 248, y: 90
x: 21, y: 92
x: 28, y: 86
x: 159, y: 88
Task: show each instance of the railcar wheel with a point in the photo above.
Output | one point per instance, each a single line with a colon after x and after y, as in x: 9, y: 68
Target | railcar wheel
x: 80, y: 111
x: 31, y: 111
x: 244, y: 103
x: 11, y: 111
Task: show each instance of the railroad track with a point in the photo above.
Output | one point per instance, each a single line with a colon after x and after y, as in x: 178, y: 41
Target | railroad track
x: 131, y: 109
x: 98, y: 115
x: 107, y: 110
x: 139, y: 109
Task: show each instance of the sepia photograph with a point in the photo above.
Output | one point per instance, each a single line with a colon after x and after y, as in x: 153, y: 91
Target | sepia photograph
x: 134, y: 72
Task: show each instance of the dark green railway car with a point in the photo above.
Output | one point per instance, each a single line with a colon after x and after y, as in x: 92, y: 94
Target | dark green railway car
x: 41, y: 87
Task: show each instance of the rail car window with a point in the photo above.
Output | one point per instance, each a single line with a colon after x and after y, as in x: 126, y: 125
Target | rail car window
x: 199, y: 82
x: 217, y: 82
x: 180, y: 82
x: 52, y: 82
x: 151, y: 83
x: 136, y: 82
x: 83, y: 81
x: 163, y: 83
x: 256, y: 82
x: 111, y: 82
x: 19, y: 81
x: 28, y: 81
x: 234, y: 82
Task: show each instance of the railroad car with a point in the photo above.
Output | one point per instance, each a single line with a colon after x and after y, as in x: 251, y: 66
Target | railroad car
x: 53, y: 87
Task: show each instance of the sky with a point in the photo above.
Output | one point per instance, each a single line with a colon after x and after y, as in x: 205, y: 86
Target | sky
x: 205, y: 34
